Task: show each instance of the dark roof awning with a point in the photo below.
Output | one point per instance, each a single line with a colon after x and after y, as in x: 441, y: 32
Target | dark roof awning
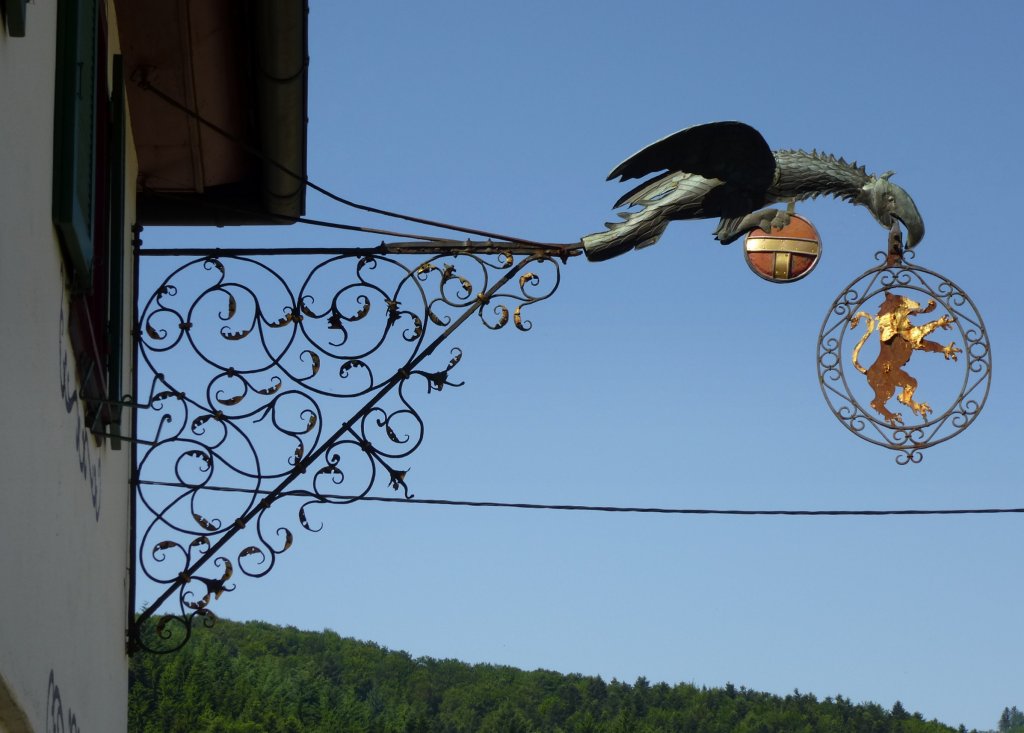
x: 242, y: 65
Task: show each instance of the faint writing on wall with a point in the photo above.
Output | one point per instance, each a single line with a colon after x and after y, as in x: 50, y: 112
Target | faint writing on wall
x: 88, y: 462
x: 56, y: 722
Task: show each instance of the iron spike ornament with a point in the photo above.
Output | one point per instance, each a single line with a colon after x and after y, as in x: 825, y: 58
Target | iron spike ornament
x: 901, y: 401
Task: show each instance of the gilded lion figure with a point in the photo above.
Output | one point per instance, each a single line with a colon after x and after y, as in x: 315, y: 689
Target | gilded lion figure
x: 898, y: 340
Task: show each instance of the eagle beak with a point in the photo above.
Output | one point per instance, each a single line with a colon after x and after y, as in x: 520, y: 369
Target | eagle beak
x: 887, y: 201
x: 908, y: 215
x: 915, y: 231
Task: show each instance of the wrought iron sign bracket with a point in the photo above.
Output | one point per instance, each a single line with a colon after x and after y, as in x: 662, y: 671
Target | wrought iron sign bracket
x: 296, y: 377
x: 295, y: 384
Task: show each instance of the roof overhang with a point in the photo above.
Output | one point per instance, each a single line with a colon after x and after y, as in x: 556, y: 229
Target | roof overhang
x: 242, y: 65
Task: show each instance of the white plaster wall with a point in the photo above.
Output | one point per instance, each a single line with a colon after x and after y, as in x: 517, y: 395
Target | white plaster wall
x: 63, y: 499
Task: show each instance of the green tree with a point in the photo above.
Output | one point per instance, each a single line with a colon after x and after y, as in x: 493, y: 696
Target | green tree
x: 255, y: 677
x: 1011, y: 721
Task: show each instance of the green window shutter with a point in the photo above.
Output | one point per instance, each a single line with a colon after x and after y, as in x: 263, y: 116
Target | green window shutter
x: 74, y: 149
x: 115, y: 308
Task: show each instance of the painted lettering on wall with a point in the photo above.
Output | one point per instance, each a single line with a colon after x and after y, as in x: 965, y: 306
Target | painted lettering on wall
x: 88, y: 461
x: 56, y: 722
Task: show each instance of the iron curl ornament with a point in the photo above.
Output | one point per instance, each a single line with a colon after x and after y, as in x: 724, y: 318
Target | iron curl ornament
x: 876, y: 319
x: 294, y: 386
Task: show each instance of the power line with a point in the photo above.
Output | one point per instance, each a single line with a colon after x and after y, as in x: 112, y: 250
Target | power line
x: 141, y: 79
x: 416, y: 244
x: 727, y: 512
x: 332, y: 498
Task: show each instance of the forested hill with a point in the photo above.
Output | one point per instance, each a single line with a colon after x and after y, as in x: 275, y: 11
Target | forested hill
x: 255, y: 677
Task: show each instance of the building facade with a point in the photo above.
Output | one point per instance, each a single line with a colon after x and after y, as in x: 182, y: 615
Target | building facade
x: 89, y: 155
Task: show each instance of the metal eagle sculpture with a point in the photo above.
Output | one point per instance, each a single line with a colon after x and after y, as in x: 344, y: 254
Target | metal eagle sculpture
x: 726, y: 170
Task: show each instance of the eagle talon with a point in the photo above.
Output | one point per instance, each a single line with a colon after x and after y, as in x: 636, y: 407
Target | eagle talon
x: 779, y: 221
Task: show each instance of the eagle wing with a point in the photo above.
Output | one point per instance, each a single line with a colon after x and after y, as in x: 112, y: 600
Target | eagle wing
x: 733, y: 152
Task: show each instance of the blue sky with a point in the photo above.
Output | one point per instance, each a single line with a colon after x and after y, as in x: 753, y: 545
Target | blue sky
x: 674, y: 377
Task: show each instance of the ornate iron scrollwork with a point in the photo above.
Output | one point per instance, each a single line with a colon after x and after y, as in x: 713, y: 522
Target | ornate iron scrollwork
x: 263, y: 372
x: 896, y: 291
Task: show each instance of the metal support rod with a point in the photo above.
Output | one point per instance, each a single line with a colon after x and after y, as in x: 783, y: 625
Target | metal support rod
x: 895, y: 256
x: 133, y: 481
x: 424, y: 248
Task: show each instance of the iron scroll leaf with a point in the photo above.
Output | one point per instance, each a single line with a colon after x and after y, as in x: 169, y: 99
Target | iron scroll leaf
x: 295, y: 382
x: 891, y: 411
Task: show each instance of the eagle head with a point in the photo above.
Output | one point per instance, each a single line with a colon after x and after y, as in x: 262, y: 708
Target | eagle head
x: 887, y: 201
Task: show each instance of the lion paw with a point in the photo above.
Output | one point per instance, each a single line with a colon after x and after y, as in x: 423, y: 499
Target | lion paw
x: 894, y: 419
x: 951, y: 351
x: 946, y: 322
x: 922, y: 409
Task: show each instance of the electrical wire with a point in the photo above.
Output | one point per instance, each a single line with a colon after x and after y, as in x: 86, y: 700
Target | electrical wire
x: 331, y: 498
x: 141, y: 79
x: 417, y: 244
x: 301, y: 219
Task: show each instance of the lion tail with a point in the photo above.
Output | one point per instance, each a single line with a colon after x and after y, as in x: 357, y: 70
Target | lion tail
x: 867, y: 332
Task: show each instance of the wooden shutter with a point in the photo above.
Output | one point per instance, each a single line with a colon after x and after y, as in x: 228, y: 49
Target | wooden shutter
x: 74, y: 148
x: 115, y: 228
